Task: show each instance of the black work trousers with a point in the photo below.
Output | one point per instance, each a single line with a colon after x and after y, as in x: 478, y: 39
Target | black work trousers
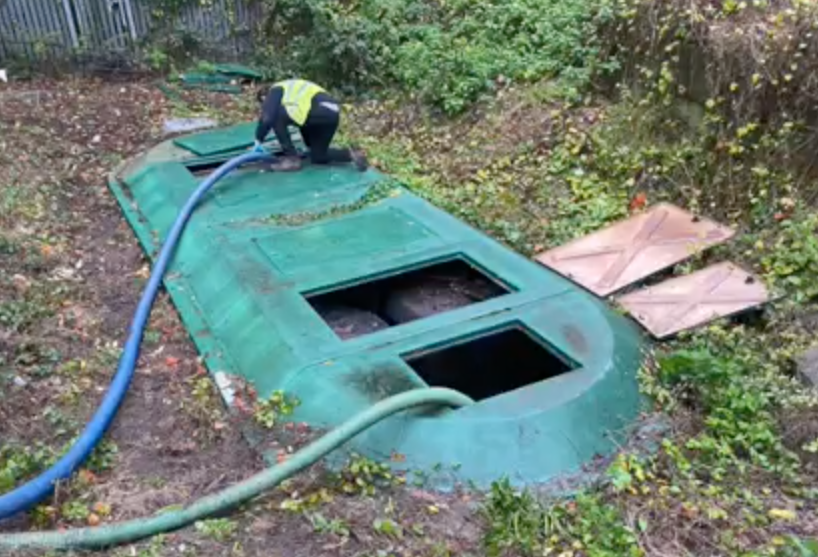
x: 319, y: 130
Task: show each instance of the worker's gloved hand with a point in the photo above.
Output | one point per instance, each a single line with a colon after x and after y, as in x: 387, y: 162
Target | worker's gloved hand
x: 259, y: 148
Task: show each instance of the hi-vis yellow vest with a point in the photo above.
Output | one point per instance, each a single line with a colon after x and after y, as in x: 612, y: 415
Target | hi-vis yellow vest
x: 297, y: 98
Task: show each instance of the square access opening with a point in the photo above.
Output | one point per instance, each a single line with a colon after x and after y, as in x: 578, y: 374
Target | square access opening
x: 400, y: 298
x: 490, y: 365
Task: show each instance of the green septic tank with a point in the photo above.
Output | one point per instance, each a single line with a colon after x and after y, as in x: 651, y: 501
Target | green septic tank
x: 343, y: 288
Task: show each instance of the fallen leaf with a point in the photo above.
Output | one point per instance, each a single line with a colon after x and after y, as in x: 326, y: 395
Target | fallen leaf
x: 21, y: 284
x: 690, y: 512
x: 86, y: 476
x: 101, y: 509
x: 638, y: 202
x: 424, y: 496
x: 782, y: 514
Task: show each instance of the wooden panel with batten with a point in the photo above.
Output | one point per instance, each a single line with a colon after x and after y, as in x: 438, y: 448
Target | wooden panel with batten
x: 629, y: 251
x: 687, y: 302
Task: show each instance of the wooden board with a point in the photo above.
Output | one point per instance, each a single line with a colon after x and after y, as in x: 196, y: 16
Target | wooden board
x: 687, y: 302
x: 632, y: 250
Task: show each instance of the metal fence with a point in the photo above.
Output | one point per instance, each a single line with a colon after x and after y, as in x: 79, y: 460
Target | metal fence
x: 41, y: 31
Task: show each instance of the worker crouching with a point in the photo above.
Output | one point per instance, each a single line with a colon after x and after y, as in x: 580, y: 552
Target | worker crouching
x: 307, y: 106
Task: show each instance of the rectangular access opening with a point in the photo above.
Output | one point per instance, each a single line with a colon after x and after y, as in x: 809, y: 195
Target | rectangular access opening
x: 386, y: 302
x: 202, y: 169
x: 490, y: 365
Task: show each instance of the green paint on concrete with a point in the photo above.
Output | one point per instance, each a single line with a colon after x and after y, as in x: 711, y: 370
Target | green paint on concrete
x: 241, y: 281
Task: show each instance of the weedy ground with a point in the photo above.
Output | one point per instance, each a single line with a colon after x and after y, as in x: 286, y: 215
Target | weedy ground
x: 736, y: 474
x: 534, y: 164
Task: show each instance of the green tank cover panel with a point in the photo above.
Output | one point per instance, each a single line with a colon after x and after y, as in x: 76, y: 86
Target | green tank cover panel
x: 311, y: 283
x: 238, y: 70
x: 226, y: 141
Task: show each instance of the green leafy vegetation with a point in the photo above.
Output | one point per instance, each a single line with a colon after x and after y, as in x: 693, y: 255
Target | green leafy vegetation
x: 519, y: 522
x: 329, y: 526
x: 363, y: 476
x: 19, y: 463
x: 735, y: 383
x: 792, y: 260
x: 269, y: 411
x: 75, y: 511
x: 205, y: 406
x: 447, y: 54
x: 219, y: 529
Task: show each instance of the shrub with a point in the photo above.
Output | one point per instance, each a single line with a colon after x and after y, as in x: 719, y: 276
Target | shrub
x: 447, y: 54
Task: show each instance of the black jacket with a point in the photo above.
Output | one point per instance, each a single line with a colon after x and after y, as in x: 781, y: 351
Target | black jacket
x: 274, y: 117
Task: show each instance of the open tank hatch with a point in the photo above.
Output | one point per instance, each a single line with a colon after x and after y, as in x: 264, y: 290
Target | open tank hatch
x: 490, y: 365
x: 401, y: 298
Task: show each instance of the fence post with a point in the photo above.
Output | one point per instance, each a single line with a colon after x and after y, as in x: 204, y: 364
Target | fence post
x: 129, y: 16
x: 72, y: 27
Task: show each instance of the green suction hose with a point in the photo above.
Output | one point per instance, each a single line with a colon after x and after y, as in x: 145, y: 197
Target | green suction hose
x: 133, y: 530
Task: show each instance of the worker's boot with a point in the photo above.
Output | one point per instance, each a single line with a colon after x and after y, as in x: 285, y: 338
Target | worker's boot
x: 359, y: 158
x: 286, y: 164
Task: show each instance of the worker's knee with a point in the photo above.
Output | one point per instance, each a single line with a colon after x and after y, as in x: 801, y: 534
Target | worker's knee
x: 319, y: 157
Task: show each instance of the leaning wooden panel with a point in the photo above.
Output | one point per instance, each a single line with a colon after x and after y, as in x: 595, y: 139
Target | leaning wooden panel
x: 687, y: 302
x: 632, y: 250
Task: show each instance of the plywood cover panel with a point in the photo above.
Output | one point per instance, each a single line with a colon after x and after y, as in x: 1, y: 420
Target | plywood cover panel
x: 687, y: 302
x: 633, y: 249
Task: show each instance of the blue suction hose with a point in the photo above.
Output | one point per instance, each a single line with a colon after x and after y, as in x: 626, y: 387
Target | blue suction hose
x: 34, y: 491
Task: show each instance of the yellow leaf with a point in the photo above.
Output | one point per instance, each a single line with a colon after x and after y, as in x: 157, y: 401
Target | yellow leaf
x: 782, y: 514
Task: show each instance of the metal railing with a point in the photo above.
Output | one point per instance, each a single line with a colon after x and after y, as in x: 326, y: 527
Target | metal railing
x: 42, y: 31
